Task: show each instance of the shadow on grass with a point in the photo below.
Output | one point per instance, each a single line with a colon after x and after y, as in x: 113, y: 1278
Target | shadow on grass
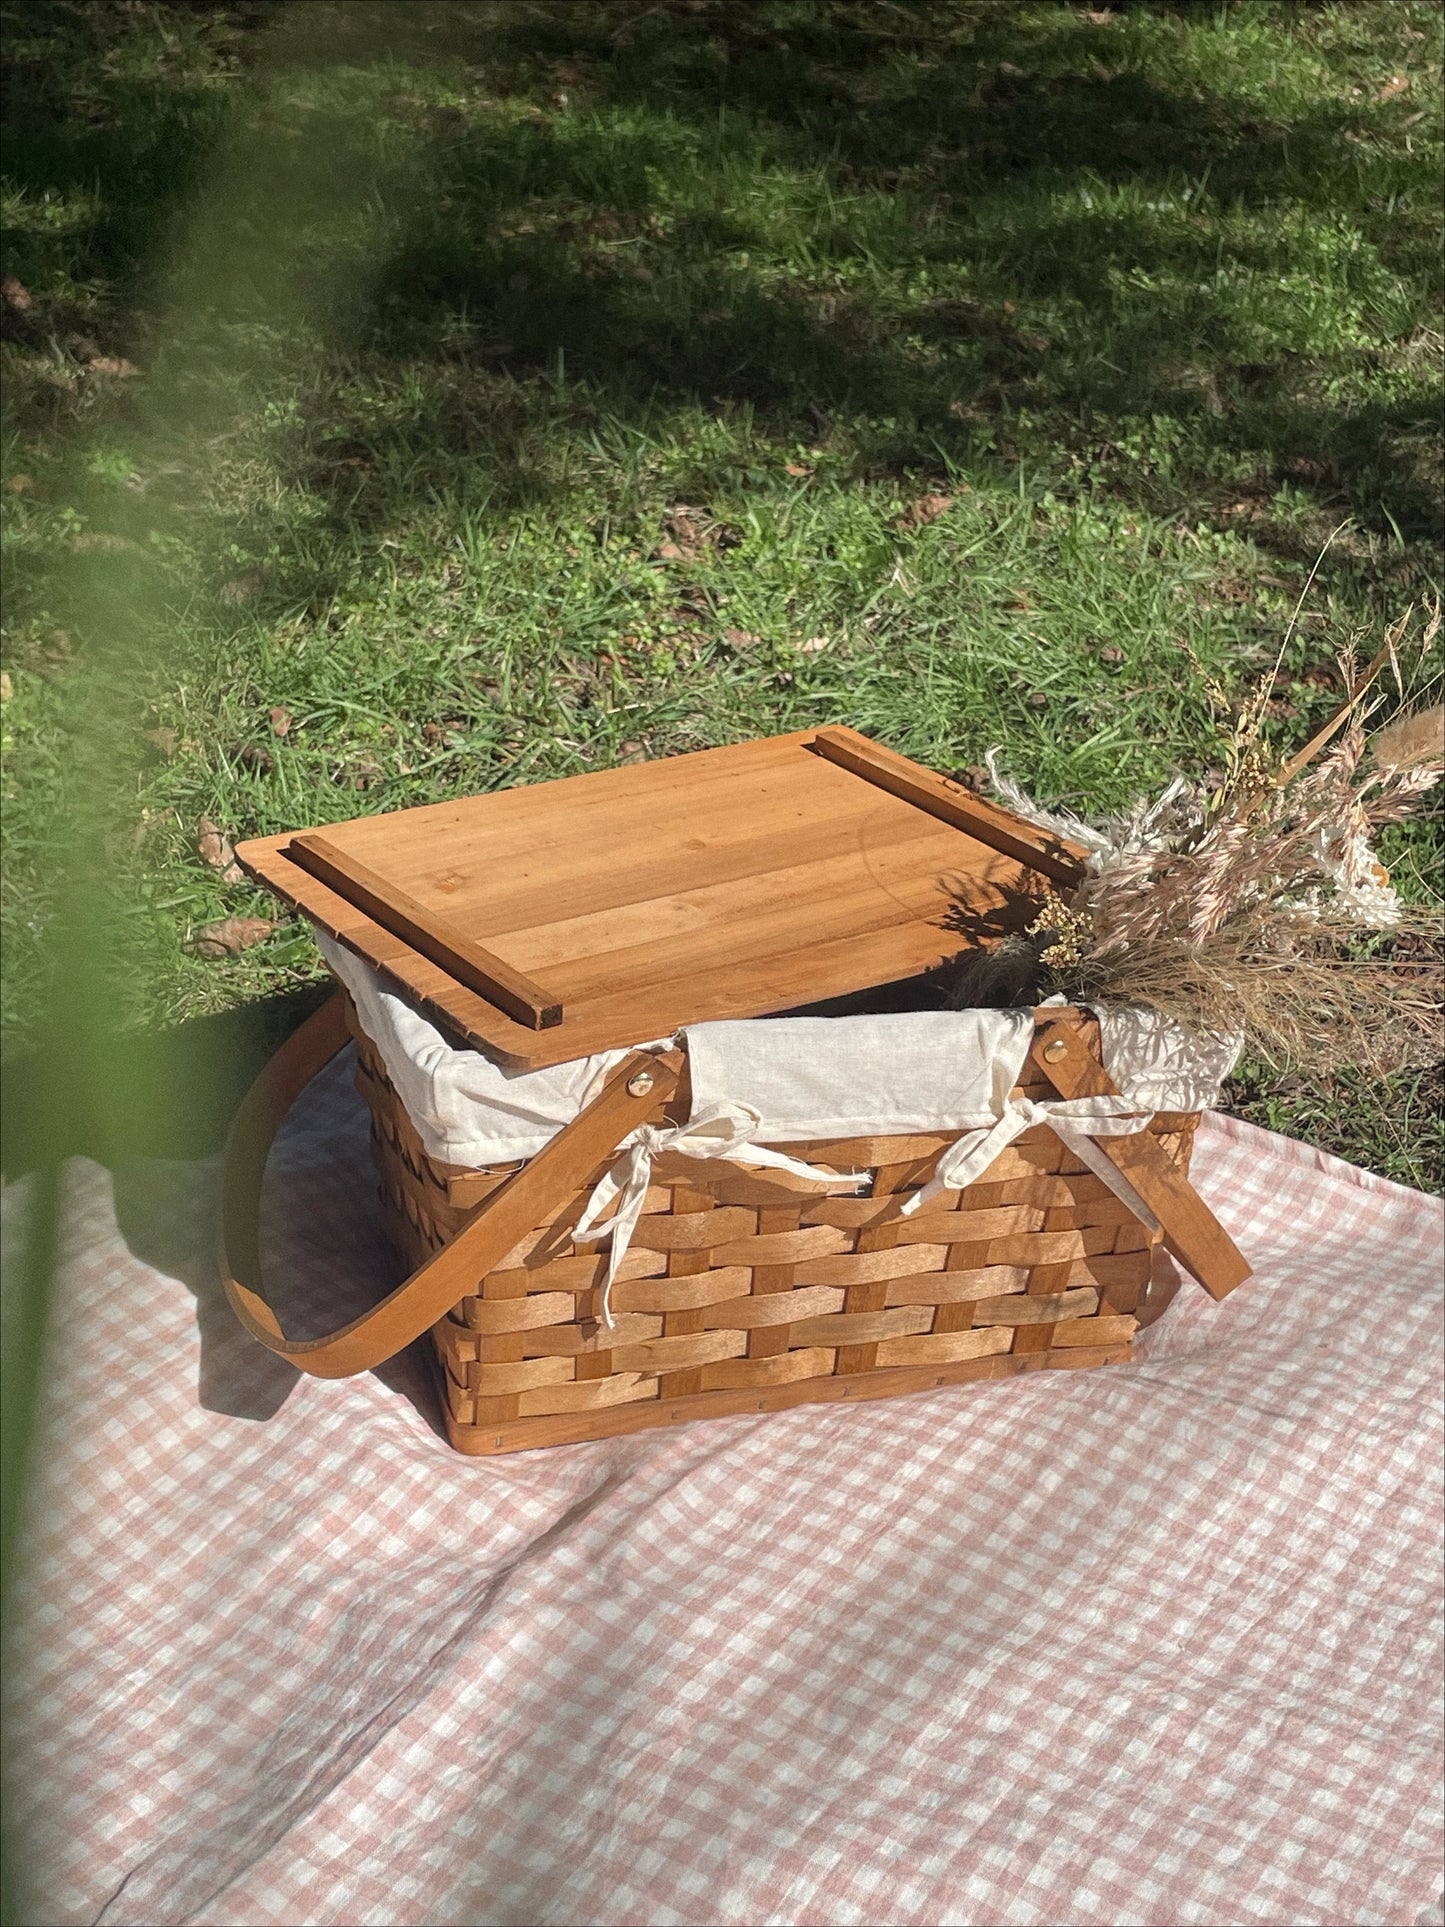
x: 967, y: 175
x: 109, y: 155
x: 810, y: 214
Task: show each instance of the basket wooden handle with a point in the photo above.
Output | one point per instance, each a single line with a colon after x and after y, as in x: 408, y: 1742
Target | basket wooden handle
x: 508, y: 1214
x: 1192, y: 1233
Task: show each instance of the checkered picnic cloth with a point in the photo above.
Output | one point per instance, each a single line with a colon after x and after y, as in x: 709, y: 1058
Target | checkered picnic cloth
x: 1148, y: 1644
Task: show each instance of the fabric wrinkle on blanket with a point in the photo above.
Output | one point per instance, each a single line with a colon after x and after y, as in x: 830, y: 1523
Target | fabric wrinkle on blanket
x: 1151, y: 1644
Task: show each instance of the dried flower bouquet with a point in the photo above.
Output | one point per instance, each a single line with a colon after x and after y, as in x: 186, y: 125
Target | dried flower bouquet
x: 1256, y: 908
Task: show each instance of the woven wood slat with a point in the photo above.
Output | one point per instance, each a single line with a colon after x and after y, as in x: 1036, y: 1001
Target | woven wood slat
x: 780, y: 1307
x: 953, y: 1227
x: 1093, y: 1331
x: 694, y: 1230
x: 618, y: 1388
x: 782, y: 1368
x: 784, y: 1247
x: 934, y: 1348
x: 871, y: 1267
x: 957, y: 1287
x: 693, y: 1209
x: 689, y: 1291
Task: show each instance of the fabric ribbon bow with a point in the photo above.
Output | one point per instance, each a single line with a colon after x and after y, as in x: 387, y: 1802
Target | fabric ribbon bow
x: 1077, y: 1120
x: 723, y: 1131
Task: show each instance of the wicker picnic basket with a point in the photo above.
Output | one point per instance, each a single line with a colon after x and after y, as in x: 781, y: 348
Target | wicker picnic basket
x: 742, y: 1289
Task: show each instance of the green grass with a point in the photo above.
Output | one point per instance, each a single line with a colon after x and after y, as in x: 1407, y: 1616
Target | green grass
x: 440, y: 313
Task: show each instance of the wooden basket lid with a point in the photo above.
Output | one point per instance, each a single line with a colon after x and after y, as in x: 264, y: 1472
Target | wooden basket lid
x: 548, y: 922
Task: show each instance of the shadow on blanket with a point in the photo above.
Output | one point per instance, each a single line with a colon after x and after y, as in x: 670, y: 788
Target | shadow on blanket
x: 322, y: 1267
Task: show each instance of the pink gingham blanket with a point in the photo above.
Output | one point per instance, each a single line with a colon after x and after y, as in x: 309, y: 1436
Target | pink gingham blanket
x: 1149, y: 1644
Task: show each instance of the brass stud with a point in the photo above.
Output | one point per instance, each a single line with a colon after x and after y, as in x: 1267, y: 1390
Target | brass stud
x: 1056, y: 1048
x: 640, y: 1085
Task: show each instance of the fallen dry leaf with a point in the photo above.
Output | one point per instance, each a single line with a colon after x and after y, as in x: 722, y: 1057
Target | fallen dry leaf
x: 281, y: 720
x: 1398, y: 85
x: 926, y: 509
x: 1111, y: 654
x: 115, y: 365
x: 364, y: 773
x: 16, y: 294
x: 740, y: 638
x: 253, y: 756
x: 230, y: 936
x: 7, y: 688
x: 1038, y: 699
x: 18, y: 484
x: 814, y: 646
x: 796, y: 468
x: 687, y: 533
x: 163, y: 741
x: 214, y: 849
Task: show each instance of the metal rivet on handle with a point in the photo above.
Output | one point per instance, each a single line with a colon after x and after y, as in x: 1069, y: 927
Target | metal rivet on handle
x: 1056, y: 1048
x: 640, y: 1085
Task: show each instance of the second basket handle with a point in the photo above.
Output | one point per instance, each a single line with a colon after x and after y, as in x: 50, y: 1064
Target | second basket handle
x: 633, y: 1093
x: 1192, y: 1233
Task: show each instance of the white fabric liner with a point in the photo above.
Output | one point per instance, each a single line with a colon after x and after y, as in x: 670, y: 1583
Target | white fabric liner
x: 805, y: 1077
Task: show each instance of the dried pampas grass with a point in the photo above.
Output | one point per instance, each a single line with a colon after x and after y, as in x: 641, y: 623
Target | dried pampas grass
x: 1257, y: 908
x: 1412, y: 742
x: 1298, y: 992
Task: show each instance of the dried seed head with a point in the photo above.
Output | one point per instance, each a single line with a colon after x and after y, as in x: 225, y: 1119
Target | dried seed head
x: 1412, y: 742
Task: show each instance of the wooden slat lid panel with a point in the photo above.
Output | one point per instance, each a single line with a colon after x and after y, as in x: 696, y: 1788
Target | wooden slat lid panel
x: 725, y: 884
